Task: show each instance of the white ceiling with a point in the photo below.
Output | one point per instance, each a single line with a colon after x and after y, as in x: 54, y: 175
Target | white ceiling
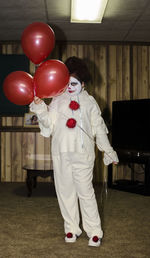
x: 124, y: 20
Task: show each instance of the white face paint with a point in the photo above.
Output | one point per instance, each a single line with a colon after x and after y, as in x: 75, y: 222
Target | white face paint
x: 74, y: 86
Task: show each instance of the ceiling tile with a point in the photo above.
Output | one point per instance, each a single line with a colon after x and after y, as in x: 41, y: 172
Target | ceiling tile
x: 124, y: 20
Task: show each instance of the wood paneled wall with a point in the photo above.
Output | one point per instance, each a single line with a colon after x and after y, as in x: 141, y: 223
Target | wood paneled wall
x: 119, y: 72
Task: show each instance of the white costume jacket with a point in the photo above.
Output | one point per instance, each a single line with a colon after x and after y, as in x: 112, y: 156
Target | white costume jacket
x: 80, y: 139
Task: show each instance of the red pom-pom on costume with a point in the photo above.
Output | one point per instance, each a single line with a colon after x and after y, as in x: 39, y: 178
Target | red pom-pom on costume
x: 71, y: 123
x: 74, y: 105
x: 69, y: 235
x: 95, y: 239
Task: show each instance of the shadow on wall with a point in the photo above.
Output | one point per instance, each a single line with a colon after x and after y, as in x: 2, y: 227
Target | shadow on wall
x: 59, y: 38
x: 93, y: 89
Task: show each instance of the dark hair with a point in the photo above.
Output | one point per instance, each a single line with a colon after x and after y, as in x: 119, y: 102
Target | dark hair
x: 34, y: 116
x: 78, y: 68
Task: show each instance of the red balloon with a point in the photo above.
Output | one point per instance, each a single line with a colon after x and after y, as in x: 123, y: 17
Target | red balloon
x: 38, y: 40
x: 18, y: 88
x: 51, y: 79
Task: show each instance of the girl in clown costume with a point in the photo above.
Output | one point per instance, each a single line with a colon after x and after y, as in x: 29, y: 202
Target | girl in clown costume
x: 74, y: 121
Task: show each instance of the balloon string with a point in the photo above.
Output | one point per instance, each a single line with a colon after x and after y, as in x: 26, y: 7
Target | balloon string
x: 34, y: 86
x: 98, y: 145
x: 34, y: 91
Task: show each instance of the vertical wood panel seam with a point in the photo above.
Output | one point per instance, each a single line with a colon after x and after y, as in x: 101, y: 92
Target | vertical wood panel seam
x: 131, y: 72
x: 0, y: 147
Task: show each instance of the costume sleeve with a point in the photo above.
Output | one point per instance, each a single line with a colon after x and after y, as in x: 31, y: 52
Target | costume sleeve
x: 45, y: 118
x: 100, y: 132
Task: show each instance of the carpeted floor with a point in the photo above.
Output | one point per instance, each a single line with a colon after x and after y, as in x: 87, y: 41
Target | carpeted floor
x: 33, y: 227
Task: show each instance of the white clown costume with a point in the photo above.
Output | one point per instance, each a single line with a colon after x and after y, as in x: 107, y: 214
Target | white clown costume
x: 74, y: 121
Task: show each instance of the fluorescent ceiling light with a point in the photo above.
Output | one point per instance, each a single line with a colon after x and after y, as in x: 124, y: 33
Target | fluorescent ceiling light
x: 87, y: 11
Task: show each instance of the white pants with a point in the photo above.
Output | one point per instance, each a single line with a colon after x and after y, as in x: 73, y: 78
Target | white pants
x: 73, y: 174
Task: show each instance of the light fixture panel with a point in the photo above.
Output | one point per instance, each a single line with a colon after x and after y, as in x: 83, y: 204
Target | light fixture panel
x: 87, y: 11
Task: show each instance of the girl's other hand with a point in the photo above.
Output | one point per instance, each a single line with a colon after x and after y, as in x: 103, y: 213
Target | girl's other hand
x: 37, y: 100
x: 115, y: 163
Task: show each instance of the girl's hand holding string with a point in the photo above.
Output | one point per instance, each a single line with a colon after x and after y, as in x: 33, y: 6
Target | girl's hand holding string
x: 37, y: 100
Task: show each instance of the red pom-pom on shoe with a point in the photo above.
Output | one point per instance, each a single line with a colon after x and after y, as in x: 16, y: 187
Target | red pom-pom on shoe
x: 95, y: 239
x: 69, y: 235
x: 74, y: 105
x: 71, y: 123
